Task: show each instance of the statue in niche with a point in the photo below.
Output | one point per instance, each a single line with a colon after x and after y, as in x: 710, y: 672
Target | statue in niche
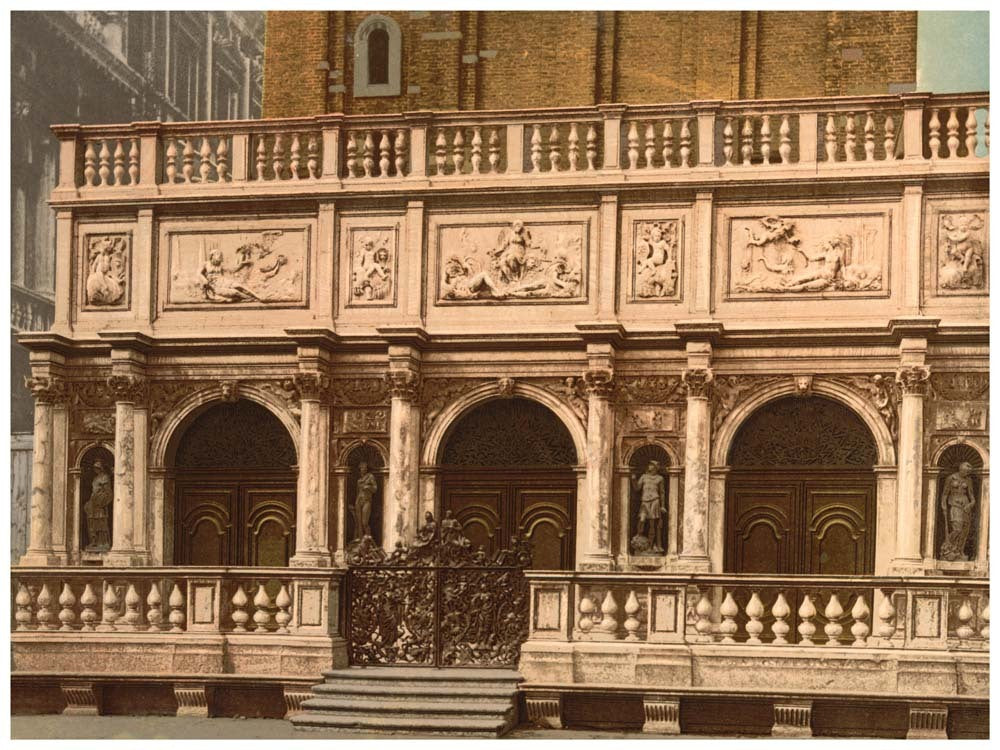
x: 367, y: 487
x: 107, y: 267
x: 651, y: 487
x: 656, y: 260
x: 372, y: 274
x: 962, y: 265
x: 97, y: 507
x: 957, y: 501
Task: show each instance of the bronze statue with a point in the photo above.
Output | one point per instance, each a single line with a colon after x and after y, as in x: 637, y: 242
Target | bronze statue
x: 957, y: 500
x: 652, y: 506
x: 96, y: 508
x: 362, y: 511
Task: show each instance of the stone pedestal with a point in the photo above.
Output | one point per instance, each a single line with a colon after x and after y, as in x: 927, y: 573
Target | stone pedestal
x: 663, y: 714
x: 928, y: 722
x: 544, y: 710
x: 913, y: 383
x: 697, y: 463
x: 792, y: 719
x: 312, y: 547
x: 402, y: 490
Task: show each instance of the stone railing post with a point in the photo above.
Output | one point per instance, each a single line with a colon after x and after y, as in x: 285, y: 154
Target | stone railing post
x: 239, y: 156
x: 403, y: 486
x: 48, y: 392
x: 913, y: 380
x: 418, y: 123
x: 148, y: 134
x: 515, y: 148
x: 612, y: 114
x: 706, y: 131
x: 69, y: 143
x: 131, y: 442
x: 312, y: 547
x: 913, y: 125
x: 808, y: 130
x: 694, y: 524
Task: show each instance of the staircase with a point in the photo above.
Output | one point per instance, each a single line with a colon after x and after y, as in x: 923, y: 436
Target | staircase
x: 466, y: 702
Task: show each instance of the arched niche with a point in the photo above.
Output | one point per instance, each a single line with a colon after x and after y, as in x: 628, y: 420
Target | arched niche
x: 959, y: 506
x: 365, y: 478
x: 96, y: 499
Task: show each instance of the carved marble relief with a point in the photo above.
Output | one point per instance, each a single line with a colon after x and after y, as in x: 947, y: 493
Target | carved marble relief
x: 808, y: 254
x: 233, y: 268
x: 365, y: 421
x: 373, y: 265
x: 106, y: 271
x: 494, y: 263
x: 656, y: 259
x: 962, y: 241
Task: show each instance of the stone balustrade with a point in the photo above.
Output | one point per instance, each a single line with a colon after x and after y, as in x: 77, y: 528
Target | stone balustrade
x: 582, y: 143
x: 857, y: 612
x: 262, y: 601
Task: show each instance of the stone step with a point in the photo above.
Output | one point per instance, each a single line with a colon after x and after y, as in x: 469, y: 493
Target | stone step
x: 415, y: 707
x: 429, y: 678
x: 435, y: 692
x: 492, y: 727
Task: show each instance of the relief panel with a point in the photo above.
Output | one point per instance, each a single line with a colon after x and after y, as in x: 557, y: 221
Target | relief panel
x: 654, y: 260
x: 106, y: 266
x: 372, y: 253
x: 960, y: 252
x: 798, y: 255
x: 238, y: 267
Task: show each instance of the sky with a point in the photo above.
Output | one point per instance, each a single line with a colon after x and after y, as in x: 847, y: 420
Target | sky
x: 953, y: 51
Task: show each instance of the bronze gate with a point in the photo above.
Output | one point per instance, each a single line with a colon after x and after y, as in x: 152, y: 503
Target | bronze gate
x: 437, y: 603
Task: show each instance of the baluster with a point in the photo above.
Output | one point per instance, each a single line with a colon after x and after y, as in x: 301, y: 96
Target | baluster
x: 154, y: 608
x: 686, y: 143
x: 23, y: 602
x: 262, y: 613
x: 222, y: 159
x: 261, y: 157
x: 352, y: 155
x: 964, y: 630
x: 934, y: 137
x: 703, y: 625
x: 728, y: 626
x: 44, y: 615
x: 555, y: 149
x: 88, y: 613
x: 953, y: 132
x: 755, y: 610
x: 176, y: 604
x: 971, y: 130
x: 170, y: 164
x: 592, y: 145
x: 587, y: 608
x: 477, y: 150
x: 187, y: 169
x: 283, y: 616
x: 119, y: 171
x: 312, y: 156
x: 668, y: 144
x: 890, y: 137
x: 132, y: 616
x: 295, y: 159
x: 458, y: 150
x: 870, y: 136
x: 278, y: 156
x: 205, y: 160
x: 806, y: 628
x: 109, y: 608
x: 850, y: 138
x: 633, y: 145
x: 780, y: 611
x: 440, y: 152
x: 833, y: 612
x: 650, y: 145
x: 746, y: 141
x: 105, y: 163
x: 609, y: 607
x: 632, y: 623
x: 368, y: 160
x: 494, y: 150
x: 727, y: 141
x: 886, y: 619
x: 860, y: 629
x: 785, y: 134
x: 240, y: 616
x: 89, y: 164
x: 985, y: 617
x: 400, y: 148
x: 385, y: 154
x: 987, y: 132
x: 574, y: 147
x: 536, y: 148
x: 765, y: 139
x: 830, y: 138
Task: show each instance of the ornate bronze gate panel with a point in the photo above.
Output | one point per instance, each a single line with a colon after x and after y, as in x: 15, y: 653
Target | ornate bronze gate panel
x: 437, y: 603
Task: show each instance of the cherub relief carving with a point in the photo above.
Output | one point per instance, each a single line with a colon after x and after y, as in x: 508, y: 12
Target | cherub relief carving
x: 961, y: 252
x: 372, y: 269
x: 656, y: 259
x: 107, y: 269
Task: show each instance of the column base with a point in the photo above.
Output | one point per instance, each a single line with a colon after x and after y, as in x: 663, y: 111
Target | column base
x: 311, y: 559
x: 692, y: 565
x: 596, y: 563
x: 125, y: 560
x: 907, y: 566
x: 41, y: 559
x: 339, y: 559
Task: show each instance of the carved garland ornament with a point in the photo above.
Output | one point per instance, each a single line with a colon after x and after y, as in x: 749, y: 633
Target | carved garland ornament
x: 649, y: 389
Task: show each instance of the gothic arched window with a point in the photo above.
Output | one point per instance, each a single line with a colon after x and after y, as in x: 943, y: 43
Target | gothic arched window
x: 377, y: 57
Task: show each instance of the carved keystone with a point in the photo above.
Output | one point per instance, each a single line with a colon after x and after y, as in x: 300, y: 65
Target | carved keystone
x: 663, y: 714
x: 294, y: 695
x: 792, y: 719
x: 192, y: 700
x: 928, y: 722
x: 82, y: 698
x: 544, y: 709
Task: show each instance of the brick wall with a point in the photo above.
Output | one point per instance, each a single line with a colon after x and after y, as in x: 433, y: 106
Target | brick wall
x: 501, y: 60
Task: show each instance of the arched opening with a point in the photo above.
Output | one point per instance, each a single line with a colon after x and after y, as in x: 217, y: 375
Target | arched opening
x: 800, y: 496
x: 506, y: 470
x: 378, y: 57
x: 234, y: 488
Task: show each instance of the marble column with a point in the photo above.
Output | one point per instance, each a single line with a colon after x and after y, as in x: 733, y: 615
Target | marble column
x: 595, y: 511
x: 131, y: 444
x: 402, y: 491
x: 340, y: 543
x: 697, y: 463
x: 312, y: 523
x: 48, y: 391
x: 913, y: 382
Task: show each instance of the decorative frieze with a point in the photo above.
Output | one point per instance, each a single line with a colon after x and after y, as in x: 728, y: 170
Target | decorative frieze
x: 106, y: 267
x: 359, y: 391
x: 373, y: 257
x: 961, y: 386
x: 365, y: 421
x: 648, y: 389
x: 656, y: 260
x: 962, y: 241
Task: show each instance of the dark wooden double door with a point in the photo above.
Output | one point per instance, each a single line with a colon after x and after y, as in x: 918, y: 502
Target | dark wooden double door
x: 234, y: 520
x: 495, y: 504
x: 817, y: 523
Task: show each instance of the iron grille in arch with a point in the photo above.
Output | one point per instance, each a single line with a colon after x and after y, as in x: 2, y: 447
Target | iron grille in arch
x: 510, y: 432
x: 803, y: 431
x: 241, y: 435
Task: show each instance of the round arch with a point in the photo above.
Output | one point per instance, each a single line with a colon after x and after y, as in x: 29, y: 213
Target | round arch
x: 961, y: 440
x: 347, y: 449
x: 676, y: 460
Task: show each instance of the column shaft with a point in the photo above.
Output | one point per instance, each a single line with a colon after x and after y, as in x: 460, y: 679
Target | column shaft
x: 312, y: 523
x: 403, y: 487
x: 694, y: 525
x: 600, y: 473
x: 128, y: 540
x: 48, y: 391
x: 909, y: 493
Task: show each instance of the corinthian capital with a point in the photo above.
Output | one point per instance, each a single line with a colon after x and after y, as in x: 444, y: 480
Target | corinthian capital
x: 600, y: 383
x: 312, y: 386
x: 403, y: 384
x: 128, y: 388
x: 698, y: 381
x: 913, y: 380
x: 47, y: 390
